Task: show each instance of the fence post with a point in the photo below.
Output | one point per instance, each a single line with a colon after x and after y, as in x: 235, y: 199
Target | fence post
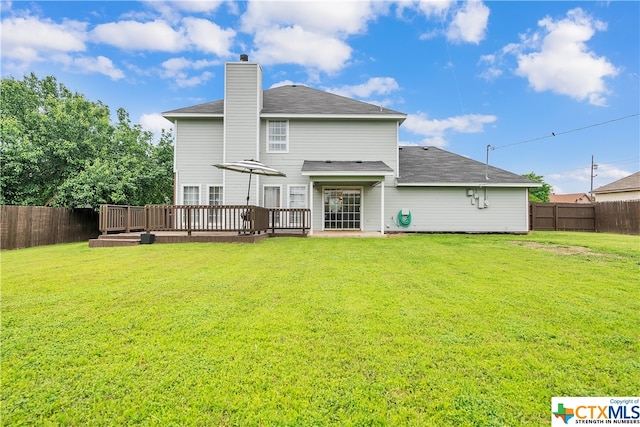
x: 188, y: 211
x: 555, y: 217
x: 102, y: 219
x: 532, y: 207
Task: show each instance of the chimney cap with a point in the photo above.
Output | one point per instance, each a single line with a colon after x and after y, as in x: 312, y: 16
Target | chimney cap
x: 244, y: 57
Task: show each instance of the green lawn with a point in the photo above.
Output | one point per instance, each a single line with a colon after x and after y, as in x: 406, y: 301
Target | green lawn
x: 419, y: 330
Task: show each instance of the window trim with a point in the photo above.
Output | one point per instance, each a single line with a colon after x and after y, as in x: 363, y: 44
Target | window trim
x: 306, y: 198
x: 264, y: 188
x: 198, y: 186
x: 268, y: 134
x: 209, y: 186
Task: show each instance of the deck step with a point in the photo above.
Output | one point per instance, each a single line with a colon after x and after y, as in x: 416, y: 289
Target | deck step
x: 110, y: 243
x: 123, y: 236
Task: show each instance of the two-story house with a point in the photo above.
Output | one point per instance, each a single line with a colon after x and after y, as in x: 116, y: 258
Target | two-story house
x: 342, y: 160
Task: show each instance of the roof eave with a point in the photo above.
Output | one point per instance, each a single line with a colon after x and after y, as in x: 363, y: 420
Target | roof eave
x: 173, y: 116
x: 347, y: 173
x: 399, y: 117
x: 622, y: 190
x: 469, y: 184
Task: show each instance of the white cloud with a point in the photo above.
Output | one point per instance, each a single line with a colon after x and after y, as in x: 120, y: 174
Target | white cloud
x: 435, y: 8
x: 579, y: 180
x: 327, y: 17
x: 469, y: 23
x: 99, y: 64
x: 155, y: 123
x: 435, y: 130
x: 209, y: 37
x: 177, y: 69
x: 310, y: 34
x: 30, y: 38
x: 132, y: 35
x: 373, y: 86
x: 294, y: 45
x: 159, y: 35
x: 563, y: 63
x: 197, y: 6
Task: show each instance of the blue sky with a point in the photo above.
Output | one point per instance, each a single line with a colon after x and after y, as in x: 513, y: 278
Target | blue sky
x: 468, y: 74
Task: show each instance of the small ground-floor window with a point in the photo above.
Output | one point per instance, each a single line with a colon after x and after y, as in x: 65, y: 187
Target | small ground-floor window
x: 214, y: 216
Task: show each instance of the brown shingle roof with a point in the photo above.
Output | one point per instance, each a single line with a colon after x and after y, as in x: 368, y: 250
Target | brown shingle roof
x: 432, y: 165
x: 629, y: 183
x: 328, y: 166
x: 298, y: 100
x: 570, y: 198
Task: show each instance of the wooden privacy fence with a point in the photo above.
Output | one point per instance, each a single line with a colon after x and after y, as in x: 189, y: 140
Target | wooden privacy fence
x: 189, y: 218
x: 27, y: 226
x: 618, y: 217
x: 562, y: 217
x: 606, y: 217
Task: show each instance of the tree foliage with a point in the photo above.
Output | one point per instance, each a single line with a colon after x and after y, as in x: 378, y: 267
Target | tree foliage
x: 539, y: 194
x: 58, y: 148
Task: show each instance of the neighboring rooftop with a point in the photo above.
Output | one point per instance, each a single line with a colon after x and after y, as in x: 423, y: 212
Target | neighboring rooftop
x: 570, y: 198
x: 297, y: 100
x: 431, y: 165
x: 628, y: 183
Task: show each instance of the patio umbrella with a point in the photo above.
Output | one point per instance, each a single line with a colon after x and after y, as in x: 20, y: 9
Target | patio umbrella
x: 252, y: 167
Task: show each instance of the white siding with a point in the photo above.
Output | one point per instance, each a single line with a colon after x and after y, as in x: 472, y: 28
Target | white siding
x: 449, y: 209
x: 615, y: 197
x: 243, y: 95
x: 365, y: 140
x: 199, y: 146
x: 371, y: 208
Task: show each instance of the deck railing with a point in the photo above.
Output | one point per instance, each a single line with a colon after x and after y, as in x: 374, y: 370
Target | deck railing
x: 289, y: 219
x: 241, y: 218
x: 189, y: 218
x: 121, y: 218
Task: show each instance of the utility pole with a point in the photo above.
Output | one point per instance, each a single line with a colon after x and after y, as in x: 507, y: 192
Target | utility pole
x: 486, y: 168
x: 593, y: 175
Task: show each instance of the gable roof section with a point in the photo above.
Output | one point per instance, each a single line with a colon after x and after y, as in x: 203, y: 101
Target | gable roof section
x: 431, y: 166
x: 303, y: 100
x: 628, y: 183
x: 297, y: 101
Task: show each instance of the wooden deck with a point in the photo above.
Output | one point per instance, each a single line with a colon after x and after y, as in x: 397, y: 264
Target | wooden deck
x: 161, y: 237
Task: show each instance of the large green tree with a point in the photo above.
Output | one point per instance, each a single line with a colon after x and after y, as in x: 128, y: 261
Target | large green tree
x: 59, y: 148
x: 539, y: 194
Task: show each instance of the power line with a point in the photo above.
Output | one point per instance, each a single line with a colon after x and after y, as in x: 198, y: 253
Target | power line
x: 602, y: 164
x: 554, y: 134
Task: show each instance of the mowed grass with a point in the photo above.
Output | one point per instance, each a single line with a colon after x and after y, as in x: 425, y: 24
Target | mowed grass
x: 443, y: 330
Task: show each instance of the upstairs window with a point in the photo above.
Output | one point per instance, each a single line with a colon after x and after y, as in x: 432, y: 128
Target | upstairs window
x: 277, y: 136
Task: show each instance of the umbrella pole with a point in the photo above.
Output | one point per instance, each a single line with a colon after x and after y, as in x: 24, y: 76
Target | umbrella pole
x: 246, y: 212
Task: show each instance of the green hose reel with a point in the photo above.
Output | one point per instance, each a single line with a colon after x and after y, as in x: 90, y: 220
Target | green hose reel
x: 403, y: 218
